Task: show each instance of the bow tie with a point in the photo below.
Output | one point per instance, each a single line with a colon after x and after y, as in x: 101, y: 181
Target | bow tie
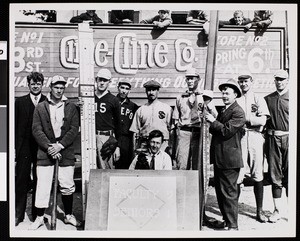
x: 189, y: 93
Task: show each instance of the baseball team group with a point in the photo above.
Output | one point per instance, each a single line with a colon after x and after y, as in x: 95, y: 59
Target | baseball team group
x: 244, y: 132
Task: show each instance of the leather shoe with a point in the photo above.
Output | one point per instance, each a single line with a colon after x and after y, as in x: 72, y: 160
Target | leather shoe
x: 38, y: 222
x: 275, y: 216
x: 18, y: 221
x: 219, y: 224
x: 231, y: 228
x: 261, y: 217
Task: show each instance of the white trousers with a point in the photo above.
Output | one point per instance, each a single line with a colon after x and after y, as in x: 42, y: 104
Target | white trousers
x: 44, y: 183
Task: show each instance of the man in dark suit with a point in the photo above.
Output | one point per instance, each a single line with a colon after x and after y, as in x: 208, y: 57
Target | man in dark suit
x: 226, y: 152
x: 25, y: 145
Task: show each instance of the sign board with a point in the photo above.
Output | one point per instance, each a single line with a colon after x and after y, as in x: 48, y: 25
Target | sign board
x: 142, y: 203
x: 143, y: 200
x: 140, y: 52
x: 3, y: 50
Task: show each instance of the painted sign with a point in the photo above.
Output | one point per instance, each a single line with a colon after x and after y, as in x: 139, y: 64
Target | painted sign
x: 140, y: 52
x: 142, y: 203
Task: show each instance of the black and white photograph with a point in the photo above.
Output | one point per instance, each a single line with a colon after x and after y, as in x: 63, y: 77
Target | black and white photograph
x: 152, y: 120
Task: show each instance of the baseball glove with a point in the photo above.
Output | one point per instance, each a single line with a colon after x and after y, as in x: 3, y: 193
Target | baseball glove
x: 109, y: 147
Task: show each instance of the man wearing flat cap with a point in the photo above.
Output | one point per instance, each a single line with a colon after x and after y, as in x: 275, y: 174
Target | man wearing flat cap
x: 154, y: 115
x: 55, y: 127
x: 256, y: 112
x: 277, y: 140
x: 162, y: 20
x: 226, y: 152
x: 187, y: 121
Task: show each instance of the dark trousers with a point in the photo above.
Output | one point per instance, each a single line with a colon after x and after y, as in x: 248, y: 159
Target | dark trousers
x: 277, y: 149
x: 126, y: 152
x: 22, y: 185
x: 227, y: 194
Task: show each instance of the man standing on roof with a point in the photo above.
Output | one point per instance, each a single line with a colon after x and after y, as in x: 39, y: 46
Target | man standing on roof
x: 128, y: 109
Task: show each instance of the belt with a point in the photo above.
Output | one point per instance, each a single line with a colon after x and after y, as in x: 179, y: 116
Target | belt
x: 105, y: 133
x: 277, y: 133
x: 190, y: 128
x: 146, y: 138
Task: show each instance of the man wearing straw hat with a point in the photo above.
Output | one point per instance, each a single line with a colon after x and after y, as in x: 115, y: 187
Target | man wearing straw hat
x: 226, y: 153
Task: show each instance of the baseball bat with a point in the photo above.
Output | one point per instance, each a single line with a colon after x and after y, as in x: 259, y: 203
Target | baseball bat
x: 53, y: 211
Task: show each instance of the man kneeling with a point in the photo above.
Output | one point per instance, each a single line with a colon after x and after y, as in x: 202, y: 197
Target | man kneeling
x: 156, y: 158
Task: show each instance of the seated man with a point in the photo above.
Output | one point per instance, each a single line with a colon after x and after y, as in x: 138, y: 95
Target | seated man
x: 238, y: 19
x: 262, y: 19
x: 196, y: 17
x: 121, y: 16
x: 162, y: 20
x: 157, y: 159
x: 88, y: 15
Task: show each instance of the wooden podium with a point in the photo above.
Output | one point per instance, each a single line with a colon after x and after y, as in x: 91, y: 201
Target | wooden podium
x: 142, y: 200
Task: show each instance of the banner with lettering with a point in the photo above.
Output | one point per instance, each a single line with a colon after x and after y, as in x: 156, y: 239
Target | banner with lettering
x: 140, y: 53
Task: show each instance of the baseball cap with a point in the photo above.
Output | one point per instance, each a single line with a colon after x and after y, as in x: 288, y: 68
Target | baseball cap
x: 58, y: 79
x: 282, y: 74
x: 232, y: 84
x: 244, y: 75
x: 192, y: 72
x: 152, y: 83
x: 167, y: 11
x: 104, y: 73
x: 125, y: 82
x: 208, y: 93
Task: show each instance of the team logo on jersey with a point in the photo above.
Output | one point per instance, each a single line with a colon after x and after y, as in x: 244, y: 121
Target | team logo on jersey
x: 161, y: 114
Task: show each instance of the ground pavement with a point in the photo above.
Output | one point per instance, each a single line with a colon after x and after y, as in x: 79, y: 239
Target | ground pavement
x: 247, y: 212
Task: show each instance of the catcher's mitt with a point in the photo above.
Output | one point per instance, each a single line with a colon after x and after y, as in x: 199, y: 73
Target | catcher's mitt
x: 109, y: 147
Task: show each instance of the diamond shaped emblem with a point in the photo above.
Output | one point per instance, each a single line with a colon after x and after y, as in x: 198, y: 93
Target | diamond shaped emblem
x: 133, y: 206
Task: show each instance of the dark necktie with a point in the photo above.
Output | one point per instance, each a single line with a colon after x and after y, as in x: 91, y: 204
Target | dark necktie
x: 152, y: 163
x: 35, y: 100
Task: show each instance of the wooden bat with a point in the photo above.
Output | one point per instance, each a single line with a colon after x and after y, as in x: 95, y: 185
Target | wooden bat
x: 53, y: 210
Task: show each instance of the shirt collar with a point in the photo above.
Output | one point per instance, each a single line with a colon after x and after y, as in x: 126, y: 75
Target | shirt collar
x: 283, y: 92
x: 151, y: 154
x: 104, y: 93
x: 64, y: 98
x: 38, y: 96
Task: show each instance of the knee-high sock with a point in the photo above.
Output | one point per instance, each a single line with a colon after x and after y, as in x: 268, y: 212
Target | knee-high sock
x: 40, y: 212
x: 259, y: 193
x: 68, y: 203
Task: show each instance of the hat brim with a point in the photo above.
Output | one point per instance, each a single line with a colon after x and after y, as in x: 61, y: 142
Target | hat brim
x: 124, y: 83
x: 236, y: 88
x: 152, y: 86
x: 59, y: 82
